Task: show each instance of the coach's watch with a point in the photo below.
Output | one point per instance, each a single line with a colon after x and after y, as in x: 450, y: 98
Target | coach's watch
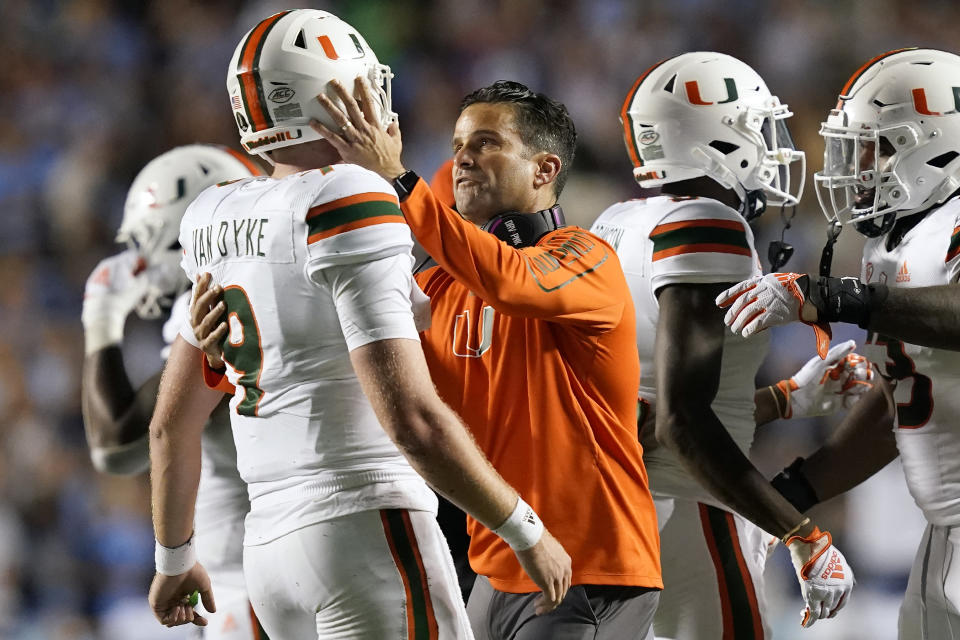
x: 404, y: 184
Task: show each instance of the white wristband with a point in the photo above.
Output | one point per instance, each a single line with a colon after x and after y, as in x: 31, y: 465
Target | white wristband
x: 172, y: 561
x: 522, y: 529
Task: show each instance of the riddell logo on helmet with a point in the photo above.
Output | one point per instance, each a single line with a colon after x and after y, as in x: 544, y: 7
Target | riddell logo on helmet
x: 280, y: 137
x: 653, y: 175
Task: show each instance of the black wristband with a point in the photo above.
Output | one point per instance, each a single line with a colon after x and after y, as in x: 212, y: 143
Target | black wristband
x: 842, y: 300
x: 404, y: 183
x: 794, y: 486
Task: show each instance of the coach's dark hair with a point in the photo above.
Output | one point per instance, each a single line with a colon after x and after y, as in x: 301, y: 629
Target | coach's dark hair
x: 544, y: 124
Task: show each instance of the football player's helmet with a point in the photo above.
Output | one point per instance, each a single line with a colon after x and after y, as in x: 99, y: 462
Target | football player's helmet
x: 283, y: 63
x: 893, y: 140
x: 709, y: 114
x: 155, y: 204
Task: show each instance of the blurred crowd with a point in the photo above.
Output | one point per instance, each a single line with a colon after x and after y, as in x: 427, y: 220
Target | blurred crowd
x: 93, y: 89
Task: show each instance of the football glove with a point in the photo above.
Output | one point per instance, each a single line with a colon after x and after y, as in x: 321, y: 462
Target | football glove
x: 770, y: 300
x: 113, y: 290
x: 824, y: 386
x: 825, y: 578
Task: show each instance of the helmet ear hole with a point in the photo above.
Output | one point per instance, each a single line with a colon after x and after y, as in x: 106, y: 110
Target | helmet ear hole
x: 943, y: 159
x: 744, y: 164
x: 726, y: 148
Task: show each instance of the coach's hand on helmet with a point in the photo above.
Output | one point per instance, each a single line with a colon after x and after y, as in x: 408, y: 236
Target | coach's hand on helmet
x: 548, y: 565
x: 361, y: 140
x: 207, y: 311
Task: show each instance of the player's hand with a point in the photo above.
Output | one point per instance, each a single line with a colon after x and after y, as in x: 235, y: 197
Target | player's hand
x: 771, y: 300
x: 207, y: 311
x: 361, y: 140
x: 113, y: 290
x: 170, y: 597
x: 825, y: 577
x: 824, y: 386
x: 548, y: 565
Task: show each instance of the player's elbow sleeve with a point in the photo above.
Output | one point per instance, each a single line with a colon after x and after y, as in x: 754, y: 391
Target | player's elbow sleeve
x: 125, y: 460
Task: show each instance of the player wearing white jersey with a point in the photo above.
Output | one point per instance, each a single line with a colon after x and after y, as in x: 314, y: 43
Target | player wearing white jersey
x: 146, y: 278
x: 892, y: 169
x: 333, y: 407
x: 705, y: 128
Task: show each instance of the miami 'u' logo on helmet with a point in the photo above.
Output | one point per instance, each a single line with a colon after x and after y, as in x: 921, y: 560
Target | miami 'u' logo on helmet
x: 920, y: 102
x: 693, y: 92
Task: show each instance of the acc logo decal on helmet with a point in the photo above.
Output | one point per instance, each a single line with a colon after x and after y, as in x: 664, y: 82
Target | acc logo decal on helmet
x: 281, y: 94
x: 648, y: 137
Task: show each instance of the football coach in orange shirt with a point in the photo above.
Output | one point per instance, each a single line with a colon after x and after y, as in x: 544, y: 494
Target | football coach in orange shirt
x: 532, y: 343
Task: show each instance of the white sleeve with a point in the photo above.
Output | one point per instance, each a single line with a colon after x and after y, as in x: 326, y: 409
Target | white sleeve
x: 373, y: 299
x: 355, y: 217
x: 702, y: 241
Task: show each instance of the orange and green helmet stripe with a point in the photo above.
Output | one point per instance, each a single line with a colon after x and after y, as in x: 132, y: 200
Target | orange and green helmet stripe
x: 243, y: 159
x: 248, y: 73
x: 627, y: 120
x: 863, y: 69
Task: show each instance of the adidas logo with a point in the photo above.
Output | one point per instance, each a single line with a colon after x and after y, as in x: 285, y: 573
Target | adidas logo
x: 902, y: 274
x: 529, y: 517
x: 834, y: 568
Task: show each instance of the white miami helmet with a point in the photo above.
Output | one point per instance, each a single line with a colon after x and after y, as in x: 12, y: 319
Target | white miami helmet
x: 155, y: 204
x: 892, y: 144
x: 283, y: 63
x: 709, y: 114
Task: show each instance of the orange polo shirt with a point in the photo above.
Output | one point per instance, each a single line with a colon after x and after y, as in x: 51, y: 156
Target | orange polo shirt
x: 535, y: 349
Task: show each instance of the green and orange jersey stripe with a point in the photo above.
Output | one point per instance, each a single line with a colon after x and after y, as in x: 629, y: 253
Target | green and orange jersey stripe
x: 738, y: 597
x: 421, y: 620
x: 353, y: 212
x: 627, y: 120
x: 954, y: 249
x: 863, y: 69
x: 248, y: 73
x: 699, y: 236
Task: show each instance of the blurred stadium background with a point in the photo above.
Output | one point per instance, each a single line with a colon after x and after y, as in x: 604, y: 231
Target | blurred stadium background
x: 93, y: 89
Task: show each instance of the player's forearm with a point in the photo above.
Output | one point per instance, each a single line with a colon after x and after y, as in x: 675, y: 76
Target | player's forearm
x: 768, y: 405
x: 708, y: 452
x: 183, y: 405
x: 860, y: 446
x: 441, y: 450
x: 174, y: 477
x: 106, y: 392
x: 116, y: 418
x: 927, y: 316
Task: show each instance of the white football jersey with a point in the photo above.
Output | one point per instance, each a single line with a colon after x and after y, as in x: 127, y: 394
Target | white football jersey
x: 928, y: 379
x: 312, y: 265
x: 666, y: 240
